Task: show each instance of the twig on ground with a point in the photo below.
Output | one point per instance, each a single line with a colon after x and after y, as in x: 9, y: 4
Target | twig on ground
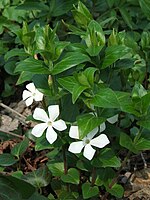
x: 10, y: 133
x: 22, y: 117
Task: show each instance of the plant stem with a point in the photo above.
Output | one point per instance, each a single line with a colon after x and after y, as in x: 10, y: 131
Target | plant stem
x: 93, y: 176
x: 65, y: 159
x: 114, y: 180
x: 12, y: 134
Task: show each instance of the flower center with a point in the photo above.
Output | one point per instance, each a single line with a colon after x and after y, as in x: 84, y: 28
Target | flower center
x: 87, y: 141
x: 49, y: 123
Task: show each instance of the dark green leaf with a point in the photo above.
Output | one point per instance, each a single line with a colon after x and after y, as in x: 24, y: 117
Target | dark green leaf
x: 72, y: 176
x: 39, y: 178
x: 127, y: 142
x: 106, y: 158
x: 33, y: 6
x: 32, y: 65
x: 116, y: 190
x: 7, y: 159
x: 56, y: 168
x: 15, y: 52
x: 20, y: 148
x: 71, y: 60
x: 89, y: 191
x: 114, y: 53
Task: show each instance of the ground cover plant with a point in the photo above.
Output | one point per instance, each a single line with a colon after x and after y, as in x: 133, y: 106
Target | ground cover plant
x: 81, y: 70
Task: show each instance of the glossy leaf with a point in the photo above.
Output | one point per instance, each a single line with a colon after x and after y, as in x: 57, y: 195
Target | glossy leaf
x: 127, y: 142
x: 72, y: 176
x: 87, y: 123
x: 7, y: 159
x: 71, y: 60
x: 32, y: 65
x: 106, y: 158
x: 114, y: 53
x: 20, y: 148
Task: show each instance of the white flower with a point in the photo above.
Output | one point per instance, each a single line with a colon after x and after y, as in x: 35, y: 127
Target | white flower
x: 49, y: 123
x: 31, y: 94
x: 87, y: 142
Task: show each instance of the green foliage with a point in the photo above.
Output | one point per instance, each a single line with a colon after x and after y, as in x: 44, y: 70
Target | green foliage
x: 92, y: 59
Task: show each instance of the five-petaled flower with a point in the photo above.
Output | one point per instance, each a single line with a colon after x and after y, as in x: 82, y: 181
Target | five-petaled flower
x: 31, y: 94
x: 49, y: 123
x: 87, y: 142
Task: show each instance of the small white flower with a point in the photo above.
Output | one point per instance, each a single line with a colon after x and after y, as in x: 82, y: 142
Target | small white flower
x: 49, y: 123
x: 31, y: 94
x: 87, y: 142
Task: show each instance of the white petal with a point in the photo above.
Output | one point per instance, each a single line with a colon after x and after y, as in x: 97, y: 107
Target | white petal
x: 51, y: 135
x: 76, y: 147
x: 40, y: 114
x: 100, y: 141
x: 26, y: 94
x: 88, y: 152
x: 113, y: 119
x: 92, y: 133
x: 29, y: 101
x: 38, y: 130
x: 59, y: 125
x: 31, y: 87
x: 38, y: 95
x: 74, y: 132
x: 102, y: 127
x: 53, y: 112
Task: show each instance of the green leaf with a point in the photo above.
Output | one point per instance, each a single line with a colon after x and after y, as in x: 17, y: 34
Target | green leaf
x: 68, y: 83
x: 87, y: 123
x: 89, y: 73
x: 114, y: 53
x: 82, y: 15
x: 56, y: 168
x: 95, y: 38
x: 127, y: 142
x: 126, y: 16
x: 20, y: 148
x: 77, y: 90
x: 106, y: 158
x: 7, y: 159
x: 107, y: 98
x: 144, y: 123
x: 145, y: 6
x: 116, y: 190
x: 71, y: 59
x: 88, y: 191
x: 15, y: 52
x: 64, y: 195
x: 24, y: 76
x: 38, y: 196
x: 32, y: 65
x: 60, y: 7
x: 29, y: 6
x: 12, y: 188
x: 39, y: 178
x: 72, y: 176
x: 143, y: 144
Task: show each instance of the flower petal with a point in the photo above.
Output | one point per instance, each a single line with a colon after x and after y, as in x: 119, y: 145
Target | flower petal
x: 100, y: 141
x: 92, y: 133
x: 38, y: 95
x: 88, y: 152
x: 113, y: 119
x: 26, y: 94
x: 76, y: 147
x: 51, y: 135
x: 29, y: 101
x: 102, y: 127
x: 31, y: 87
x: 38, y: 130
x: 53, y: 112
x: 74, y: 132
x: 40, y: 114
x: 59, y: 125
